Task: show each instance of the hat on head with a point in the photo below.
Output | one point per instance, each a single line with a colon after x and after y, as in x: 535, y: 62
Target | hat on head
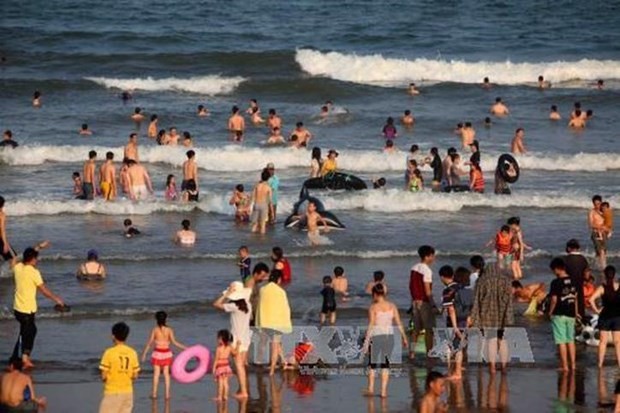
x: 335, y: 152
x: 270, y: 165
x: 238, y: 291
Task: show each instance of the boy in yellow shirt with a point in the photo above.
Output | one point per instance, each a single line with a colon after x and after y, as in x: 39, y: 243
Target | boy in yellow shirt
x: 119, y: 367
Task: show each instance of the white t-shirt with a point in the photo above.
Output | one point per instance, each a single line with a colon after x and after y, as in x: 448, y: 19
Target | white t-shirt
x: 425, y: 270
x: 240, y: 324
x: 473, y: 277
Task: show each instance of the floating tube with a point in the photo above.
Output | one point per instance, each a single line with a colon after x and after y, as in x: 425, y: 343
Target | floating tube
x: 297, y: 219
x: 508, y: 168
x: 336, y: 181
x: 179, y: 366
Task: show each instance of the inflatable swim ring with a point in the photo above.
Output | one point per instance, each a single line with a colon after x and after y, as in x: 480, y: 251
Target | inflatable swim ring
x: 297, y: 219
x: 504, y: 164
x: 179, y: 366
x: 335, y: 181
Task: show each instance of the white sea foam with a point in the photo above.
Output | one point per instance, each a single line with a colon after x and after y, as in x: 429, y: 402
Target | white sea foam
x: 244, y: 159
x: 394, y: 200
x: 208, y: 85
x: 378, y: 70
x: 384, y: 201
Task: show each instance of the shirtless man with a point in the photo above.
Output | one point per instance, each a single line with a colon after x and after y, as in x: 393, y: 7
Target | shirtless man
x: 577, y: 113
x: 201, y: 111
x: 412, y: 90
x: 84, y: 131
x: 517, y: 146
x: 6, y: 251
x: 577, y: 122
x: 468, y: 135
x: 542, y: 83
x: 139, y: 181
x: 236, y: 123
x: 173, y: 137
x: 303, y: 134
x: 499, y: 108
x: 253, y: 108
x: 407, y: 119
x: 435, y: 386
x: 255, y: 117
x: 187, y: 140
x: 274, y: 120
x: 313, y: 219
x: 262, y: 203
x: 447, y: 167
x: 276, y: 138
x: 486, y: 84
x: 554, y: 114
x: 137, y: 117
x: 525, y: 293
x: 14, y: 385
x: 152, y: 130
x: 598, y: 236
x: 131, y: 149
x: 107, y: 178
x: 190, y: 170
x: 123, y: 175
x: 88, y: 176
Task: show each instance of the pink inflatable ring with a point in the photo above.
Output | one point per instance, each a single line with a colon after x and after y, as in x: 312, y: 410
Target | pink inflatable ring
x: 179, y: 371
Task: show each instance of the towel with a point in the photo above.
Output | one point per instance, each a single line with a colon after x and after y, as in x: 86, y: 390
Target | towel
x: 274, y: 312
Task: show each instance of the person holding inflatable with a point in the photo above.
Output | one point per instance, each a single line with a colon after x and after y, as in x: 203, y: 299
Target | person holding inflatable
x: 236, y: 301
x: 161, y: 359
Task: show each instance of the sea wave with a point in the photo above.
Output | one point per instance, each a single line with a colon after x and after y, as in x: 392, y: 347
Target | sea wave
x: 395, y: 200
x: 383, y: 201
x: 208, y: 85
x: 379, y: 70
x: 231, y: 158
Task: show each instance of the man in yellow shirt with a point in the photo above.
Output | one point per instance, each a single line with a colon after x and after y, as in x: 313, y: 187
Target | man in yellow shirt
x: 119, y: 368
x: 330, y: 165
x: 28, y: 281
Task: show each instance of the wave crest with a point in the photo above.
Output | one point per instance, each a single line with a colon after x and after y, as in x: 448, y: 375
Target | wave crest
x: 378, y: 70
x: 208, y: 85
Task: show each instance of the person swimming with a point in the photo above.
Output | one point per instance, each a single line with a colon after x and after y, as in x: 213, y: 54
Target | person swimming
x: 185, y: 236
x: 130, y: 230
x: 92, y: 269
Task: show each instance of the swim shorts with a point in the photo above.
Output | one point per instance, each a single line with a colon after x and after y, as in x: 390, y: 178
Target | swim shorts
x: 140, y: 192
x: 87, y: 189
x: 106, y: 190
x: 184, y: 185
x: 609, y: 324
x: 563, y: 329
x: 327, y: 308
x: 600, y: 242
x: 260, y: 214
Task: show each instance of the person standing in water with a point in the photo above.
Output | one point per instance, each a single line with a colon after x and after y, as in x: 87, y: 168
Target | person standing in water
x: 262, y: 203
x: 274, y: 183
x: 517, y: 146
x: 131, y: 149
x: 160, y: 339
x: 107, y: 178
x: 6, y: 251
x: 313, y: 219
x: 597, y: 231
x: 88, y: 181
x: 140, y: 186
x: 236, y: 123
x: 185, y: 236
x: 190, y: 170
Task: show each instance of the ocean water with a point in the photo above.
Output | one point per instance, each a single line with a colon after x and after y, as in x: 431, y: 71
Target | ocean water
x: 293, y: 56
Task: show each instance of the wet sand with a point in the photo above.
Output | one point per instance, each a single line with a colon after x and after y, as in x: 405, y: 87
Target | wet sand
x: 517, y: 391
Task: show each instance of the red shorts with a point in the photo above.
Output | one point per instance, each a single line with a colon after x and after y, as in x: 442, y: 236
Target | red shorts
x: 162, y: 357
